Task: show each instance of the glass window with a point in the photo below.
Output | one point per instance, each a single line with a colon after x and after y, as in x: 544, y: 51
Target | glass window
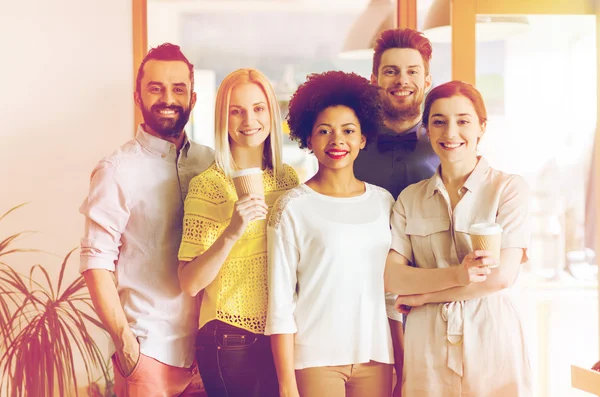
x: 284, y: 40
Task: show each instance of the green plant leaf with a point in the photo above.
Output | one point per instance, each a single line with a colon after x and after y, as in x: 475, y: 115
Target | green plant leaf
x: 12, y: 209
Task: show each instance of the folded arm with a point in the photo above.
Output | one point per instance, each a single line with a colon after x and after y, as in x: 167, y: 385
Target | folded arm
x: 500, y: 278
x: 402, y: 279
x: 513, y: 216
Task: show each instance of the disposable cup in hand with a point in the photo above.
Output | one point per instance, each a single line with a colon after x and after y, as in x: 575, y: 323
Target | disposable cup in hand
x: 248, y: 181
x: 487, y: 237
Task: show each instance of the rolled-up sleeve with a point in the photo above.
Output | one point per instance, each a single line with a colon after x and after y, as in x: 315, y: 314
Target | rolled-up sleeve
x: 400, y: 240
x: 390, y: 308
x: 513, y: 215
x: 283, y: 257
x: 106, y: 215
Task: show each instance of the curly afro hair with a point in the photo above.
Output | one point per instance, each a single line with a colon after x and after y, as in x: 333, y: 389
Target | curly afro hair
x: 334, y: 88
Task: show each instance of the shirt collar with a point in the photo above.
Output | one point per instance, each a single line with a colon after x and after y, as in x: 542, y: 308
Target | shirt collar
x: 157, y: 145
x: 478, y: 175
x: 435, y: 183
x: 472, y: 183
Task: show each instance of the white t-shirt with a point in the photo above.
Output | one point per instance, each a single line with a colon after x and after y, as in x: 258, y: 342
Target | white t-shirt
x: 326, y: 260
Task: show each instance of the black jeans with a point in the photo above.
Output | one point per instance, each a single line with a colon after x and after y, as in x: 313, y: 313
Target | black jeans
x: 234, y: 362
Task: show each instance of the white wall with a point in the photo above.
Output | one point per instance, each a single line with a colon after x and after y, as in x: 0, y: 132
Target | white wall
x: 66, y: 101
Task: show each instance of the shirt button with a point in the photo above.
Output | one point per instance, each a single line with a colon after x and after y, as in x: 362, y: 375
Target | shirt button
x: 399, y: 159
x: 163, y: 155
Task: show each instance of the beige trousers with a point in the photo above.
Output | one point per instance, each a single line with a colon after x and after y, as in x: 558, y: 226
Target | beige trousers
x: 370, y: 379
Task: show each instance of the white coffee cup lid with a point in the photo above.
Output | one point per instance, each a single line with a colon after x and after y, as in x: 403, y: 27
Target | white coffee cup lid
x: 247, y: 171
x: 485, y: 229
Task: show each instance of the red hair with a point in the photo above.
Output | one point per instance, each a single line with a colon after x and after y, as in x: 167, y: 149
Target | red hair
x: 401, y: 38
x: 455, y: 88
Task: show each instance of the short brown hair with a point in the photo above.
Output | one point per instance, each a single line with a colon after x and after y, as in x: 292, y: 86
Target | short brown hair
x: 164, y: 52
x: 402, y: 38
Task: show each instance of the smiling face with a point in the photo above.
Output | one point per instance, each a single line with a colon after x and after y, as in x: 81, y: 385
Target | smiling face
x: 454, y: 129
x: 336, y: 137
x: 404, y: 82
x: 249, y: 122
x: 165, y: 97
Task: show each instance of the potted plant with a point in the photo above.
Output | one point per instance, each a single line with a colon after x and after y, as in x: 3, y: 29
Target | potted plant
x: 45, y: 325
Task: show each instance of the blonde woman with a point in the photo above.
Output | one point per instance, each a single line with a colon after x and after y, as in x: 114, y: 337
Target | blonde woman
x: 224, y: 250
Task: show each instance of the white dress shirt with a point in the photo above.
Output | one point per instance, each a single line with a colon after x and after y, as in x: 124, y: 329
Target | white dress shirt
x: 133, y: 227
x: 326, y: 259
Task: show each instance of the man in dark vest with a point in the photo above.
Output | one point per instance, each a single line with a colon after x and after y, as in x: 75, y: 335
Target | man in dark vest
x: 402, y: 154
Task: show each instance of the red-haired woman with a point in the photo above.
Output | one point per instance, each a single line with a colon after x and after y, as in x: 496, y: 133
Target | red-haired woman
x: 464, y: 335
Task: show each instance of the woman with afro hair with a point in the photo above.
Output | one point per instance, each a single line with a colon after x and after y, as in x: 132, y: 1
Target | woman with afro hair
x: 327, y: 243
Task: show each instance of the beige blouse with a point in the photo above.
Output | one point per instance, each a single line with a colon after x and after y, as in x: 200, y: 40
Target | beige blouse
x: 430, y: 234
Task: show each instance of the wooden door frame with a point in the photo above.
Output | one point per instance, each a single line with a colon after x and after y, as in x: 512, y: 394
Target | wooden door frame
x: 406, y: 14
x: 140, y: 45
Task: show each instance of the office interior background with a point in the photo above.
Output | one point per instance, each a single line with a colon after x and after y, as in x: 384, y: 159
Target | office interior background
x: 68, y: 71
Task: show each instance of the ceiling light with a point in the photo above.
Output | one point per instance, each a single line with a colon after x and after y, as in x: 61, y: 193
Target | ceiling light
x: 377, y: 17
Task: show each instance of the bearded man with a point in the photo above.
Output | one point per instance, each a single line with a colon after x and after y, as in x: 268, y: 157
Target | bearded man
x: 402, y: 154
x: 133, y: 225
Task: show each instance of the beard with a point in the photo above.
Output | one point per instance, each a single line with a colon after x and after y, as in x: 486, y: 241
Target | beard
x: 166, y: 127
x: 401, y: 112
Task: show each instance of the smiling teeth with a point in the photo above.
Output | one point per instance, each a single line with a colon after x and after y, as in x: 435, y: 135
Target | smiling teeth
x: 337, y: 153
x: 167, y: 112
x: 250, y: 132
x: 402, y: 93
x: 451, y: 145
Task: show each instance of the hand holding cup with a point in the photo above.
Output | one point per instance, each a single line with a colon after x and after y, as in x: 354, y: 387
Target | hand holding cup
x: 248, y: 208
x: 476, y: 267
x: 487, y: 237
x: 251, y: 201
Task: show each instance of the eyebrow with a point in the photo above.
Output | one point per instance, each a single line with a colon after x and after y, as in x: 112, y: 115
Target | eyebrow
x: 460, y: 115
x: 396, y: 67
x: 162, y: 85
x: 257, y: 103
x: 343, y: 125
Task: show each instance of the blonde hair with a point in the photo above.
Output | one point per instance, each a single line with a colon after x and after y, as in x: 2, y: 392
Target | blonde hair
x: 273, y: 145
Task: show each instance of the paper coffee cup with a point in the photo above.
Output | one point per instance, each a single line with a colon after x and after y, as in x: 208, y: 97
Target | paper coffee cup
x: 487, y: 237
x: 247, y: 181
